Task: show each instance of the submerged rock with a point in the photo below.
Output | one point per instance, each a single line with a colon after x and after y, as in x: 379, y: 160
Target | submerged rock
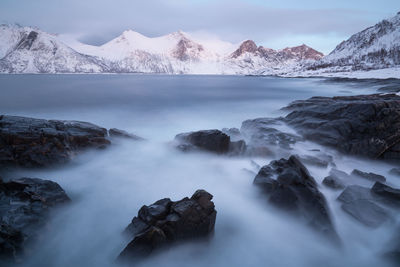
x: 166, y: 222
x: 333, y: 182
x: 261, y: 136
x: 369, y: 175
x: 395, y: 171
x: 114, y: 132
x: 359, y: 202
x: 24, y: 207
x: 289, y: 186
x: 315, y: 161
x: 29, y: 142
x: 366, y: 125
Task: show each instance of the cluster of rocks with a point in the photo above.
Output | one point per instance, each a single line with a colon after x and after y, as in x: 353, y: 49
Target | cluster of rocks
x: 166, y: 222
x: 25, y: 203
x: 29, y: 142
x: 24, y: 207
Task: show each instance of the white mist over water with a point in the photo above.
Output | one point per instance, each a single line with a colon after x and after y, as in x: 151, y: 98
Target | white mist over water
x: 108, y: 187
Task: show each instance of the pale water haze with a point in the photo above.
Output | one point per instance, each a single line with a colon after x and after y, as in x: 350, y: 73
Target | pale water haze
x: 107, y: 188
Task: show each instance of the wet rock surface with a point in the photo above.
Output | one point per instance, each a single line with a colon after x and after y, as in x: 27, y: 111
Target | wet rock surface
x: 262, y: 136
x: 29, y: 142
x: 214, y: 141
x: 368, y: 175
x: 387, y: 192
x: 25, y: 204
x: 360, y: 203
x: 166, y: 222
x: 366, y: 125
x: 289, y: 186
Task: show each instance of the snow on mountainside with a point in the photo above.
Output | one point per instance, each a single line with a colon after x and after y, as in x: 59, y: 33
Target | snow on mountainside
x: 28, y: 50
x: 376, y: 47
x: 254, y: 58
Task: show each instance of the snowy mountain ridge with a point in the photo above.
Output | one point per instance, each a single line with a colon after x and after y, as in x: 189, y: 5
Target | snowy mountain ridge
x: 30, y: 50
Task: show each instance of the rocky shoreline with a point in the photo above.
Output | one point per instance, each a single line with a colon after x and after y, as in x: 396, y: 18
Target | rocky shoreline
x: 367, y: 126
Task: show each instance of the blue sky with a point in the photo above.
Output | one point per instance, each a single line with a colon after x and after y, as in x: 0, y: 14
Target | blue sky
x: 273, y: 23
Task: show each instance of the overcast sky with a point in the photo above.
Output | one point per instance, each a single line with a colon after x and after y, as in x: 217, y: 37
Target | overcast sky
x: 275, y: 23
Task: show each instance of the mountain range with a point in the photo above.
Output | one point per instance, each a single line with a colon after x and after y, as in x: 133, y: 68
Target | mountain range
x: 30, y: 50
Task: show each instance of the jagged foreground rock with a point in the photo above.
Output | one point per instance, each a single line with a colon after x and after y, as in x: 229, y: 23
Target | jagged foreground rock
x: 166, y: 222
x: 366, y: 125
x: 24, y: 207
x: 29, y: 142
x: 289, y: 186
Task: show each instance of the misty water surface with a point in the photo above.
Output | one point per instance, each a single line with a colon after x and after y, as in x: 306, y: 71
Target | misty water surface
x: 108, y: 187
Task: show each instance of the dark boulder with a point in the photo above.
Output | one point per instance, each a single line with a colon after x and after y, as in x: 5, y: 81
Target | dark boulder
x: 214, y: 141
x: 24, y: 207
x: 369, y: 175
x: 366, y: 125
x: 289, y: 186
x: 208, y: 140
x: 29, y: 142
x: 166, y: 222
x: 114, y: 132
x: 359, y: 202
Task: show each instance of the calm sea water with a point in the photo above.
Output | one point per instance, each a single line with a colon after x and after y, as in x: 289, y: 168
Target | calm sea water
x: 108, y: 187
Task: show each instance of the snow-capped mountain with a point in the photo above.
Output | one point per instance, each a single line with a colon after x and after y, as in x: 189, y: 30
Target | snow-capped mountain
x: 376, y: 47
x: 29, y: 50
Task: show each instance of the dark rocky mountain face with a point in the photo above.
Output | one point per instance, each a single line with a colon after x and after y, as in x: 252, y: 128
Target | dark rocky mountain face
x: 27, y: 41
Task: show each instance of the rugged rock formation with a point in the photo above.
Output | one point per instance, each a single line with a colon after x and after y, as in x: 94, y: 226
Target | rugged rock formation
x: 29, y: 142
x: 386, y: 192
x: 24, y: 207
x: 289, y: 186
x: 166, y: 222
x: 366, y: 125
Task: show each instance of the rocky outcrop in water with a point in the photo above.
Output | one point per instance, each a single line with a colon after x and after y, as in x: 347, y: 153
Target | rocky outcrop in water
x: 214, y: 141
x: 366, y: 125
x: 25, y: 204
x: 29, y: 142
x: 166, y: 222
x: 289, y: 186
x: 117, y: 133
